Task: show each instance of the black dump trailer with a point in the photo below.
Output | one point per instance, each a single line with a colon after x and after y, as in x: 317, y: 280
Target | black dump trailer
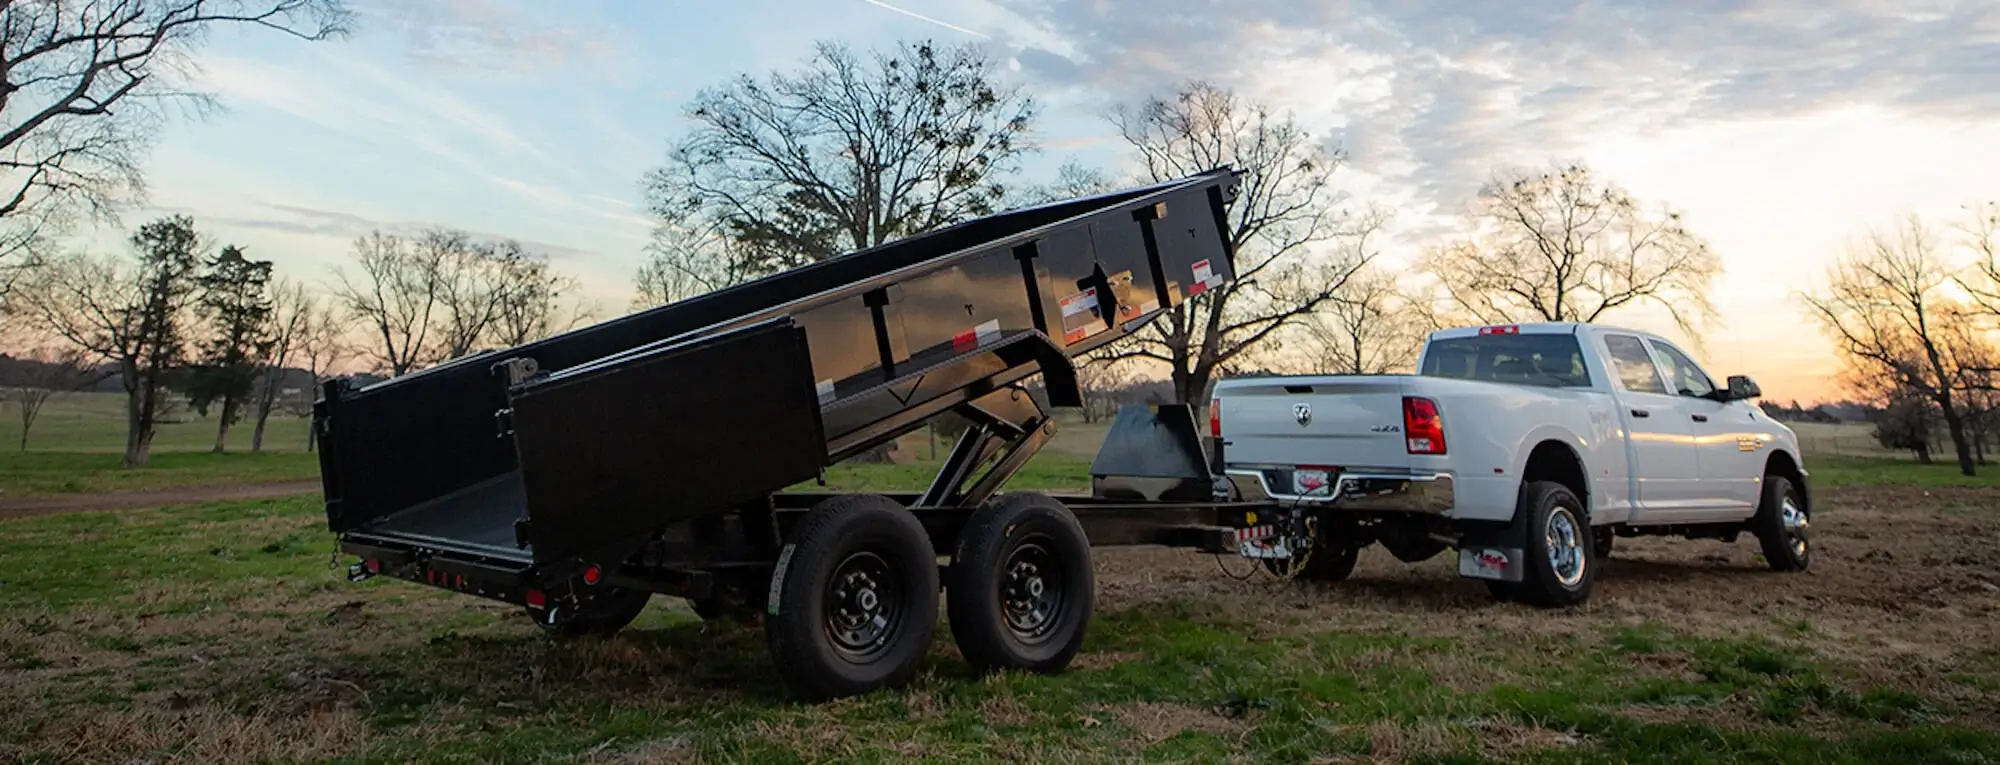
x: 660, y: 452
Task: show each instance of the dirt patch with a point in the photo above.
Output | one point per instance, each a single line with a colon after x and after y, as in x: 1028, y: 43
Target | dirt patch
x: 129, y: 500
x: 1154, y: 722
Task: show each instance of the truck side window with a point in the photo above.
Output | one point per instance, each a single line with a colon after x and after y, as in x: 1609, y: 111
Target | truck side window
x: 1686, y: 376
x: 1632, y: 365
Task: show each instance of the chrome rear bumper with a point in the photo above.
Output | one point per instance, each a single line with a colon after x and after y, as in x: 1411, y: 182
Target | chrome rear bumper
x: 1380, y: 491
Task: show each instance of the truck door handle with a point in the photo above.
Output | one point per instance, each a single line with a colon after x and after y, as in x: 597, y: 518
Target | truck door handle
x: 1701, y: 418
x: 1641, y: 413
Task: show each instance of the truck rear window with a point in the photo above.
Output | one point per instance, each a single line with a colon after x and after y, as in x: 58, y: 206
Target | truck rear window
x: 1546, y: 360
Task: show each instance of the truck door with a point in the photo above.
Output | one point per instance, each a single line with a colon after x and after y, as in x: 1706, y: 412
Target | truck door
x: 1731, y: 465
x: 1665, y: 467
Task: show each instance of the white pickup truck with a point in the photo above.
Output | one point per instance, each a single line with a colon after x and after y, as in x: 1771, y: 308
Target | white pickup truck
x: 1525, y: 447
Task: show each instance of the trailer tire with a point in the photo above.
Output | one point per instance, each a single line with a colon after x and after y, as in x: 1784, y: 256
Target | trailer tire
x: 831, y: 580
x: 599, y: 612
x: 1021, y: 588
x: 1561, y: 553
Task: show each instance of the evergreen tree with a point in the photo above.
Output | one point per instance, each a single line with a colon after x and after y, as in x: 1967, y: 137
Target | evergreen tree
x: 236, y: 302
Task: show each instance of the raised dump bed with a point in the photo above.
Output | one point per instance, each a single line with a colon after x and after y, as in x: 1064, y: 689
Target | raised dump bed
x: 578, y: 475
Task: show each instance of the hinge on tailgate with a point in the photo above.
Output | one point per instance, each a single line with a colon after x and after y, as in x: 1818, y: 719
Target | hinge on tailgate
x: 503, y: 422
x: 519, y: 369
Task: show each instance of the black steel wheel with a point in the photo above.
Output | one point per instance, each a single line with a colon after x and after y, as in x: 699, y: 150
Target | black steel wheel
x: 1783, y: 525
x: 1021, y: 588
x: 856, y: 599
x: 598, y: 611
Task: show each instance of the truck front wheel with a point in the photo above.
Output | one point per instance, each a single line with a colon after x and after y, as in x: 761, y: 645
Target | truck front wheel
x: 855, y: 599
x: 1781, y: 525
x: 1561, y: 552
x: 1021, y: 589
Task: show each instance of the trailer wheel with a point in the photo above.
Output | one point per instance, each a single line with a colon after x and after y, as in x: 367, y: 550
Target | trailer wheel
x: 854, y: 600
x: 597, y: 612
x: 1562, y: 555
x: 1021, y: 588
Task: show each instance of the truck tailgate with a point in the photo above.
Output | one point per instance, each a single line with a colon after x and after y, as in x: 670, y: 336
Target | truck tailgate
x: 1319, y: 423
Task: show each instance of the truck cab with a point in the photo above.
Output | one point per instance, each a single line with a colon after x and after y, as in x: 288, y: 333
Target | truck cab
x: 1514, y: 443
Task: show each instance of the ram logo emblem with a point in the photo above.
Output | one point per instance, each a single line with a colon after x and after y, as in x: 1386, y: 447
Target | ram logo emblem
x: 1303, y: 412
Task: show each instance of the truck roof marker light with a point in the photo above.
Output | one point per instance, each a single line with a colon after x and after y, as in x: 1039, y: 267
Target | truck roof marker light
x: 1423, y: 427
x: 1501, y: 329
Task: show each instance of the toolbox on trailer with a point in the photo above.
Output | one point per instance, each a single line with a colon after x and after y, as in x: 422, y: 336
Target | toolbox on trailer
x: 652, y: 453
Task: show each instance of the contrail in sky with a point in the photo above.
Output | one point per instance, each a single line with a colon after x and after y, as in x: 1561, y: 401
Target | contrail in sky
x: 921, y: 17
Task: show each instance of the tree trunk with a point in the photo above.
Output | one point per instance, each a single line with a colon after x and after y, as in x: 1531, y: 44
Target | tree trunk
x: 312, y: 437
x: 222, y: 428
x: 267, y: 397
x: 135, y: 394
x: 1954, y: 424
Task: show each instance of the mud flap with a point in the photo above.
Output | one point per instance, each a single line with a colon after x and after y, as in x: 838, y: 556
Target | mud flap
x: 1495, y: 551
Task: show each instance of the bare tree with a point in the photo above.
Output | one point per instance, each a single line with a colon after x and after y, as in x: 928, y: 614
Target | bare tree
x: 688, y: 256
x: 1284, y: 210
x: 292, y: 309
x: 1887, y: 312
x: 134, y: 316
x: 845, y: 153
x: 1101, y: 379
x: 84, y: 87
x: 395, y: 298
x: 1370, y: 328
x: 1560, y: 245
x: 532, y: 297
x: 471, y: 288
x: 322, y: 345
x: 48, y: 371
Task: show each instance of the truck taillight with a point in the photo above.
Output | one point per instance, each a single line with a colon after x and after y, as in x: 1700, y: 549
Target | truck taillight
x: 1215, y: 418
x: 1422, y: 427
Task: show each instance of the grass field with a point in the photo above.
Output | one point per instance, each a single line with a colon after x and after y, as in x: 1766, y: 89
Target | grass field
x: 95, y: 422
x: 224, y: 633
x: 227, y: 633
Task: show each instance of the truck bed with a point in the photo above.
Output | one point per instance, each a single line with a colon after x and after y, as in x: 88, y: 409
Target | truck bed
x: 477, y: 520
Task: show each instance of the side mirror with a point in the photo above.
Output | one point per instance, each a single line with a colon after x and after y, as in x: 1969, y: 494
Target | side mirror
x: 1742, y: 388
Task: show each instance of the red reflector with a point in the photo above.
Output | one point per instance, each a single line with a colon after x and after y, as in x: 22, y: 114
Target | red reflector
x: 1501, y: 329
x: 592, y: 575
x: 536, y: 599
x: 1423, y: 427
x: 374, y: 566
x: 1215, y: 418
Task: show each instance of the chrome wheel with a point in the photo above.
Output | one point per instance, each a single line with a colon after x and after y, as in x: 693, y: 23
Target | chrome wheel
x: 1796, y: 524
x: 1565, y: 541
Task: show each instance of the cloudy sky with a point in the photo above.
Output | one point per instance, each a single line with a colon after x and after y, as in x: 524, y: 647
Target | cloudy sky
x: 1782, y: 130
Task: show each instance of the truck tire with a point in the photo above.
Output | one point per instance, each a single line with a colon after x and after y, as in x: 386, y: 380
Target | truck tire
x: 1334, y: 553
x: 1561, y: 554
x: 1021, y: 589
x: 1781, y: 525
x: 854, y: 599
x: 599, y: 612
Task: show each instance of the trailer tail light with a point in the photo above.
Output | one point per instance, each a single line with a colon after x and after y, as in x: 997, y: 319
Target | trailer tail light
x: 1423, y: 428
x: 1215, y: 417
x: 593, y: 575
x: 536, y: 599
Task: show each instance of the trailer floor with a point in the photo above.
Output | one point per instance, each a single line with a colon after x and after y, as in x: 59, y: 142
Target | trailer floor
x: 478, y: 518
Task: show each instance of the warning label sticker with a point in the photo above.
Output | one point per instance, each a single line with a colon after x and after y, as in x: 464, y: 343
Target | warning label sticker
x: 1202, y: 271
x: 1079, y: 303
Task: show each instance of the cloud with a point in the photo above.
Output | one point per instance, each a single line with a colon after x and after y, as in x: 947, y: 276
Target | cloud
x: 471, y: 36
x: 1438, y: 99
x: 309, y: 221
